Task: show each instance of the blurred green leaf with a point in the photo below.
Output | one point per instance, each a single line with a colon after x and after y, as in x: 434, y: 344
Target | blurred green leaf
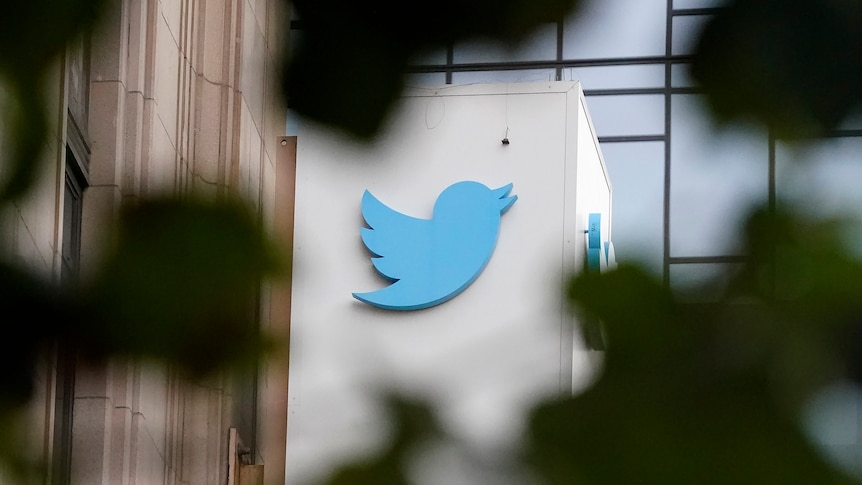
x: 793, y: 65
x: 347, y: 68
x: 683, y: 398
x: 382, y: 470
x: 26, y: 122
x: 35, y: 315
x: 33, y: 35
x: 412, y: 423
x: 707, y: 393
x: 624, y: 431
x: 808, y: 282
x: 181, y: 284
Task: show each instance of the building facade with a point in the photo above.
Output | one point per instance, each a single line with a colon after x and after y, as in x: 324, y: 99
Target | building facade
x: 162, y: 98
x: 681, y: 188
x: 367, y: 214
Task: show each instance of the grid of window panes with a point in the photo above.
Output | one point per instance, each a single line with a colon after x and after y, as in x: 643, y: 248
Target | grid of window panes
x: 680, y: 188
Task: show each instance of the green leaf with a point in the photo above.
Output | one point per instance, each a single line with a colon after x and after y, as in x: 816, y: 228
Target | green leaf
x: 181, y: 284
x: 413, y: 422
x: 347, y: 69
x: 682, y: 398
x: 33, y: 35
x: 791, y: 65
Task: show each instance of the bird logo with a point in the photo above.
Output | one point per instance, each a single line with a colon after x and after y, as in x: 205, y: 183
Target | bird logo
x: 430, y: 261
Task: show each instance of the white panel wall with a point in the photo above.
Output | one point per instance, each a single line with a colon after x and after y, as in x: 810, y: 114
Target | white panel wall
x: 504, y: 342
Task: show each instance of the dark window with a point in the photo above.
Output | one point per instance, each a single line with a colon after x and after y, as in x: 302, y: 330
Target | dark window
x: 71, y: 256
x: 72, y: 209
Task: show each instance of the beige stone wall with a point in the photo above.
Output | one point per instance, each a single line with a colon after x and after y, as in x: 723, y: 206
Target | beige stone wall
x: 186, y: 104
x: 182, y: 98
x: 30, y: 231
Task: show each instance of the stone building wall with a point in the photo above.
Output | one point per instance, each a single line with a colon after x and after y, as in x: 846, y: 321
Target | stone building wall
x: 168, y: 97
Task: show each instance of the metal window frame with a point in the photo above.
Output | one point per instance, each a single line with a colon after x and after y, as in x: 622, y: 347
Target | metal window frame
x: 668, y: 60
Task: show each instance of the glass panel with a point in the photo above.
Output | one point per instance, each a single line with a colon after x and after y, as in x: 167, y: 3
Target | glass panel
x: 431, y: 57
x: 514, y: 76
x: 616, y: 28
x: 683, y: 4
x: 66, y: 356
x: 823, y: 179
x: 291, y: 127
x: 617, y: 77
x: 425, y: 79
x: 637, y: 178
x: 701, y: 281
x: 295, y: 38
x: 680, y: 76
x: 78, y: 72
x: 831, y: 420
x: 630, y: 114
x: 70, y: 247
x: 715, y: 178
x: 541, y: 45
x: 852, y: 122
x: 72, y: 206
x: 686, y: 30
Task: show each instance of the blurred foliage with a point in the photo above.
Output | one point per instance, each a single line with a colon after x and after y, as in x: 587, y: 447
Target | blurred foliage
x: 32, y: 37
x: 180, y: 285
x: 177, y: 286
x: 709, y: 389
x: 413, y: 423
x: 689, y: 393
x: 160, y: 294
x: 347, y: 68
x: 711, y: 392
x: 792, y: 65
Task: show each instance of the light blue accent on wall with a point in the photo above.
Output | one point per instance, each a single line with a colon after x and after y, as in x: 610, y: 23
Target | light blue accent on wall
x: 598, y: 250
x: 430, y: 261
x: 594, y: 242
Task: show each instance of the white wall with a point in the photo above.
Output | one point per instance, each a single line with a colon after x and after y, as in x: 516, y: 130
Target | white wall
x: 504, y: 342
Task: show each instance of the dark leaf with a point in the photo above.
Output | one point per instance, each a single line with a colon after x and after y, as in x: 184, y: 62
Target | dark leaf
x: 27, y: 125
x: 33, y: 35
x: 412, y: 423
x: 687, y: 395
x: 35, y: 314
x: 347, y: 70
x: 181, y: 284
x: 791, y: 65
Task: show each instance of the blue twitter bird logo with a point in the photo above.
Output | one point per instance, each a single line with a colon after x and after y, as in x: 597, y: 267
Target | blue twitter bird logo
x: 430, y: 261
